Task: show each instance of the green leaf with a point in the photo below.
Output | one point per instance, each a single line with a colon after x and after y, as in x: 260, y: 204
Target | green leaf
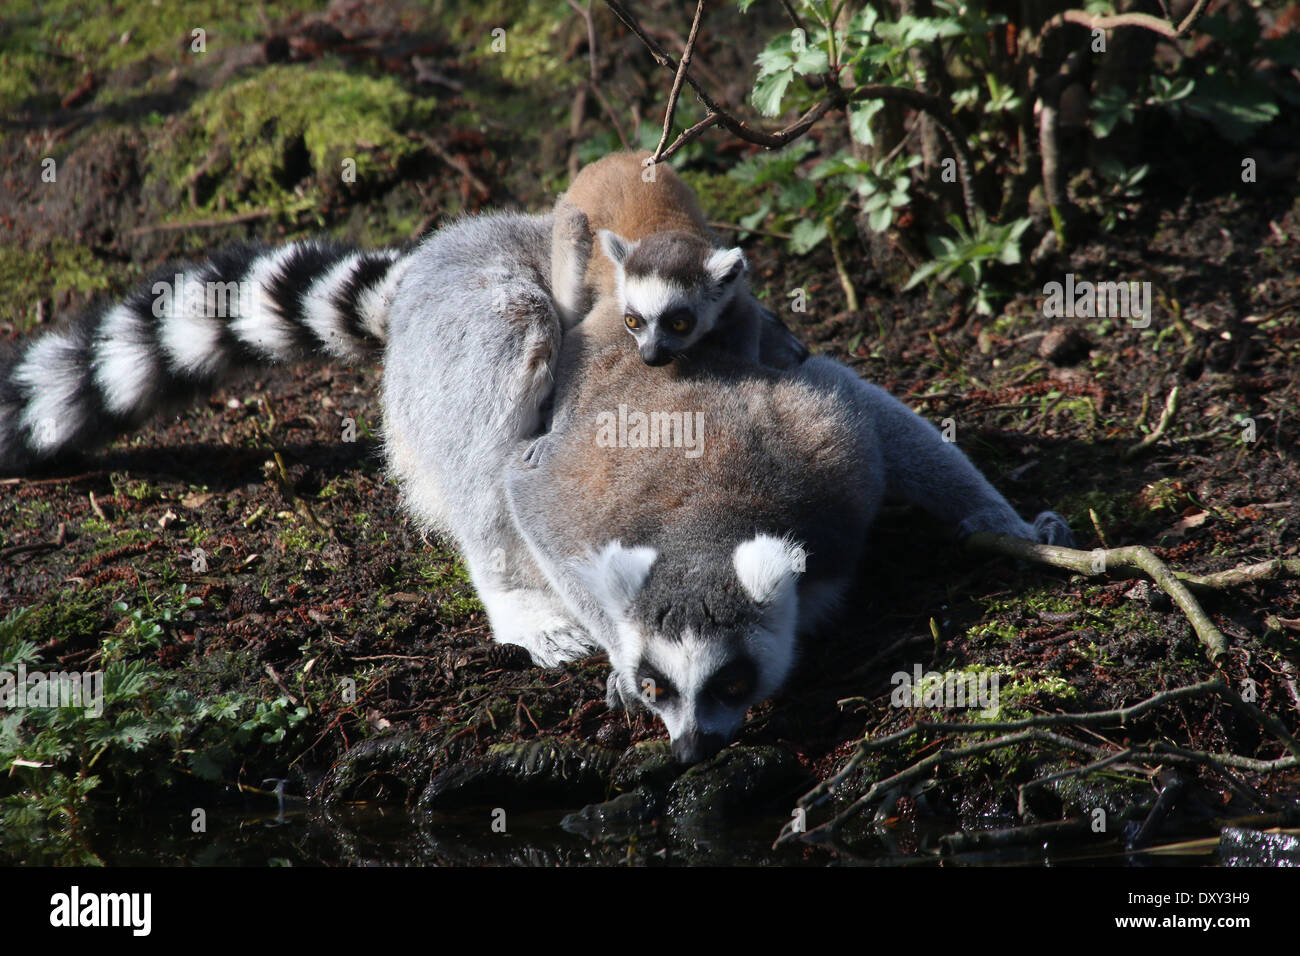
x: 769, y: 90
x: 812, y: 60
x: 1235, y: 108
x: 807, y: 234
x: 860, y: 121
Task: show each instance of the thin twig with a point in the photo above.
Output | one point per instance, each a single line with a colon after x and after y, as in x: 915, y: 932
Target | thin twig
x: 1166, y: 416
x: 456, y: 163
x: 676, y: 91
x: 593, y: 83
x: 249, y: 216
x: 1093, y: 21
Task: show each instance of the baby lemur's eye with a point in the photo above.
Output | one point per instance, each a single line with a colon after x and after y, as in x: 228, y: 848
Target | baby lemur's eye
x: 632, y: 321
x: 733, y: 690
x: 680, y: 322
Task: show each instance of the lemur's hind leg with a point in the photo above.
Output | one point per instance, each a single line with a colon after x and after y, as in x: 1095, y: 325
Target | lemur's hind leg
x: 924, y: 469
x: 571, y: 247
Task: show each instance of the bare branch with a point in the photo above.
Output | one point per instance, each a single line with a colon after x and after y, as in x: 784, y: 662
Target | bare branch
x: 593, y: 81
x: 673, y: 94
x: 1146, y: 21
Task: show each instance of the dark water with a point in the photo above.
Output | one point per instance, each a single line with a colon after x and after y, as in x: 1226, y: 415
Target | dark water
x: 375, y: 835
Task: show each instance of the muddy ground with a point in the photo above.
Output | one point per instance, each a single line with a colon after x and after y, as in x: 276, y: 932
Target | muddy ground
x: 363, y: 643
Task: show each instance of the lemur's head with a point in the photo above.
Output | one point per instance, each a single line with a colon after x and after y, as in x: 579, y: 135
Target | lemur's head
x: 672, y: 286
x: 698, y: 640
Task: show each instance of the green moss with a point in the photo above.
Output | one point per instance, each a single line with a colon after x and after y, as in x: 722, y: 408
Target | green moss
x: 47, y: 45
x: 70, y: 616
x: 279, y: 140
x: 723, y: 198
x: 995, y: 630
x: 530, y: 52
x: 301, y: 537
x: 49, y: 273
x: 449, y: 579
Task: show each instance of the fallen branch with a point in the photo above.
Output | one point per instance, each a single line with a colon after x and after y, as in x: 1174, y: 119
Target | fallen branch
x: 250, y: 216
x: 1246, y: 574
x: 1033, y: 729
x: 1102, y: 560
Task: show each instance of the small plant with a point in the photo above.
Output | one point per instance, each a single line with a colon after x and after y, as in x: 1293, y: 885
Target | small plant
x: 145, y: 627
x: 967, y: 257
x: 60, y: 766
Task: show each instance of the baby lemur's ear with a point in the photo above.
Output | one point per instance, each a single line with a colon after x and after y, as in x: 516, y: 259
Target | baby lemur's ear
x: 615, y: 246
x: 768, y: 567
x: 725, y: 265
x: 614, y: 574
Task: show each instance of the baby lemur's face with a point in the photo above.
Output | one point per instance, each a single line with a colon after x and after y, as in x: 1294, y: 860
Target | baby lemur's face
x: 698, y: 657
x: 672, y: 287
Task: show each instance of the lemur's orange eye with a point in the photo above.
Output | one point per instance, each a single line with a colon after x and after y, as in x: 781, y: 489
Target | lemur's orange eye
x: 679, y: 322
x: 735, y: 689
x: 632, y: 321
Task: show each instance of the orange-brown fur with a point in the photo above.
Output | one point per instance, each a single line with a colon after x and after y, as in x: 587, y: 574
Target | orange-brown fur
x: 614, y: 194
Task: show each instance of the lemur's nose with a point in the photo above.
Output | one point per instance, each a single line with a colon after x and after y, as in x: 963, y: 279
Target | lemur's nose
x: 654, y: 355
x: 694, y: 746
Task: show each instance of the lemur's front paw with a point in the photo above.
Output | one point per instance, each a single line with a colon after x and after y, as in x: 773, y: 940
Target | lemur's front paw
x: 615, y: 699
x: 536, y: 452
x: 1051, y: 528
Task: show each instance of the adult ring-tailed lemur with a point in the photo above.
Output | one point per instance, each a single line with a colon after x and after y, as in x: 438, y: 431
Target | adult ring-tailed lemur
x: 697, y: 562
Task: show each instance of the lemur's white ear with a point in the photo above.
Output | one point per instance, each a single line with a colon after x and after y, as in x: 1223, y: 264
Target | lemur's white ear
x: 768, y: 567
x: 614, y: 574
x: 615, y: 246
x: 725, y: 264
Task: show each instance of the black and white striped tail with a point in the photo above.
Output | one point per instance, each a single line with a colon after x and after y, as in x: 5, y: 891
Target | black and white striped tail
x: 185, y: 331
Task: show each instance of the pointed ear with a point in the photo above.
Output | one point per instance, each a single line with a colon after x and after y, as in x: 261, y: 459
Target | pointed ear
x: 614, y: 574
x: 725, y: 265
x: 768, y: 567
x: 615, y: 246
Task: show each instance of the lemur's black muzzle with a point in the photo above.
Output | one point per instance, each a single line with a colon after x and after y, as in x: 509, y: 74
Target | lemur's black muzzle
x: 695, y: 746
x: 655, y: 356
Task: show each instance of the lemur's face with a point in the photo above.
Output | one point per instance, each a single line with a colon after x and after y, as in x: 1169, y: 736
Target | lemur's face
x: 699, y: 670
x: 672, y: 288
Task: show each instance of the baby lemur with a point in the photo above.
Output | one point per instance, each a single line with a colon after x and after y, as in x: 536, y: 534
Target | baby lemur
x: 667, y: 280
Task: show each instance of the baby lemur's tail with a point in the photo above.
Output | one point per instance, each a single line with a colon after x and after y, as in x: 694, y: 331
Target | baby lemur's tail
x: 184, y: 332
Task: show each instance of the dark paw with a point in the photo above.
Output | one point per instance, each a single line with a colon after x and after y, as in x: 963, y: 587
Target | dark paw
x: 1051, y: 528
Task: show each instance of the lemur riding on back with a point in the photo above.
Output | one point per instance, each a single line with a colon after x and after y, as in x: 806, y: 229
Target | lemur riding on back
x: 658, y: 273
